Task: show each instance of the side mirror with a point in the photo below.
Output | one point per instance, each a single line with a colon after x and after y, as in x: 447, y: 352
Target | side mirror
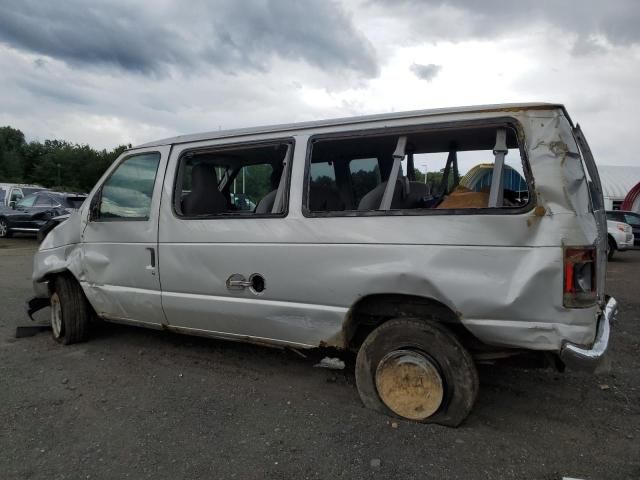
x: 94, y: 207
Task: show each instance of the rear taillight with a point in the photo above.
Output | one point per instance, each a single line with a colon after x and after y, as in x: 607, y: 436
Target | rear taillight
x: 579, y: 277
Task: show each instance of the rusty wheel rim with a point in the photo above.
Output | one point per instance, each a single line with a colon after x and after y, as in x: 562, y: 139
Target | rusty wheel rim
x: 56, y: 316
x: 409, y: 384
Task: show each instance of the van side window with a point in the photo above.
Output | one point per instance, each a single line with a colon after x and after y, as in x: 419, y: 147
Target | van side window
x: 323, y: 174
x: 365, y: 176
x: 127, y: 193
x: 237, y: 181
x: 431, y: 169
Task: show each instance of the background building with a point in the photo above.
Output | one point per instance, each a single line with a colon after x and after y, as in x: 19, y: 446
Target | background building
x: 618, y: 182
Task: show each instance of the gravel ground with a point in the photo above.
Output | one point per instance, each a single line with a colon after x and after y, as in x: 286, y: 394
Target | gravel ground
x: 136, y: 403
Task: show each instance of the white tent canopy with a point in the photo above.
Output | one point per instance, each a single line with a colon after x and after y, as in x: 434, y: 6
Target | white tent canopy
x: 617, y: 181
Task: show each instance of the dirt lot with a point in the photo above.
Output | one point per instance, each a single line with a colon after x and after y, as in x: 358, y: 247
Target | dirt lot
x: 135, y: 403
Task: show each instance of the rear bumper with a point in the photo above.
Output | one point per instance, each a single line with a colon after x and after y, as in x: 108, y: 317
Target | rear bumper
x: 584, y: 358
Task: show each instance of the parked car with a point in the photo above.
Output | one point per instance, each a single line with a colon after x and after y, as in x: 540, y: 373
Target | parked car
x: 619, y: 237
x: 242, y: 202
x: 30, y: 213
x: 52, y: 223
x: 10, y: 193
x: 345, y: 250
x: 630, y: 218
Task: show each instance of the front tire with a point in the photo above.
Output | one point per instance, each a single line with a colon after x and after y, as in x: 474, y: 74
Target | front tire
x: 611, y: 248
x: 70, y: 311
x: 4, y: 229
x: 416, y: 370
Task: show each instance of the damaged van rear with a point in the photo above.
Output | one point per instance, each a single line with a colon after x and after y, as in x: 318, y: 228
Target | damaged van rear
x: 424, y: 241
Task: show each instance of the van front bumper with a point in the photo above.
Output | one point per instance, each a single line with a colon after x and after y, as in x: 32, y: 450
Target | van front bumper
x: 581, y: 358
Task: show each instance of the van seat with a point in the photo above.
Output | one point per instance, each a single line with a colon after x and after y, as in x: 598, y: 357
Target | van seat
x: 462, y: 197
x: 325, y: 199
x: 204, y: 198
x: 265, y: 205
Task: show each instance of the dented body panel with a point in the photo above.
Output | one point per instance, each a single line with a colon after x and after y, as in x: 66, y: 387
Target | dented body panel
x: 501, y: 274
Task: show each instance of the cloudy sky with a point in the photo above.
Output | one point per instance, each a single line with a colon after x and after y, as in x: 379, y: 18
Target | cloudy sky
x: 113, y: 72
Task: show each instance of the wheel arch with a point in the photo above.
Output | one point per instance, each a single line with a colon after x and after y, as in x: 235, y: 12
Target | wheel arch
x: 50, y: 277
x: 373, y: 310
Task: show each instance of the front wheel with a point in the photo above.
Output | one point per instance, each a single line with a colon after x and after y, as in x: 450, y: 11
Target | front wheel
x: 4, y: 229
x: 416, y: 370
x: 70, y: 311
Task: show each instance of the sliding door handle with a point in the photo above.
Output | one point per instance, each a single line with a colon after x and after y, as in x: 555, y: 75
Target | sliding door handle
x: 152, y: 259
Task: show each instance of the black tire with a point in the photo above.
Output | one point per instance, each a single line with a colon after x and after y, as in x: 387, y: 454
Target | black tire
x: 455, y: 365
x: 74, y: 310
x: 611, y: 248
x: 4, y: 229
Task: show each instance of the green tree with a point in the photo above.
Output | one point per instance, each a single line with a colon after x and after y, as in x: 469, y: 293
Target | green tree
x: 11, y: 161
x: 53, y: 164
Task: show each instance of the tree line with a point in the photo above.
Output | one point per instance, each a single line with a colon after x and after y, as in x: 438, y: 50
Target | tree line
x: 55, y: 164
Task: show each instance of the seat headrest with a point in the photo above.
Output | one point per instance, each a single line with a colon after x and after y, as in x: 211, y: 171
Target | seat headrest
x: 203, y: 177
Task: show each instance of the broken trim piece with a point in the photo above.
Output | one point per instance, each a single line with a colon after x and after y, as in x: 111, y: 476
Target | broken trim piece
x: 35, y: 304
x: 588, y: 359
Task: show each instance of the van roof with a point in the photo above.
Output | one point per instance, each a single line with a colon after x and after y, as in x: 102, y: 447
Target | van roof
x: 507, y: 107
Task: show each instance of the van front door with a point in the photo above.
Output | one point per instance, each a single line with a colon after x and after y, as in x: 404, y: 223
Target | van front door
x: 119, y: 240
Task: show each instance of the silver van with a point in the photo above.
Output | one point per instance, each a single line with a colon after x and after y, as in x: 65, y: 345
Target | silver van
x: 423, y: 240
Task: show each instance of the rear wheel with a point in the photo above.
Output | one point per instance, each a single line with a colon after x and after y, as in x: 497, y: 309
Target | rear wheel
x: 70, y: 311
x: 416, y: 370
x: 611, y: 248
x: 4, y: 229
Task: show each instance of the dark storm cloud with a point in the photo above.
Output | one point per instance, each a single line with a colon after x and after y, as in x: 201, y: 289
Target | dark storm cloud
x: 617, y: 21
x: 247, y: 33
x: 230, y: 35
x: 426, y: 72
x: 73, y: 32
x: 54, y: 92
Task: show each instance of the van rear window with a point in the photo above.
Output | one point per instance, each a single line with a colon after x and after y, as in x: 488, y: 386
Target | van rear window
x: 425, y: 170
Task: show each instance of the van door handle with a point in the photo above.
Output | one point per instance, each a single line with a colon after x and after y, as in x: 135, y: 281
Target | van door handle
x: 255, y: 283
x: 152, y: 253
x: 237, y: 282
